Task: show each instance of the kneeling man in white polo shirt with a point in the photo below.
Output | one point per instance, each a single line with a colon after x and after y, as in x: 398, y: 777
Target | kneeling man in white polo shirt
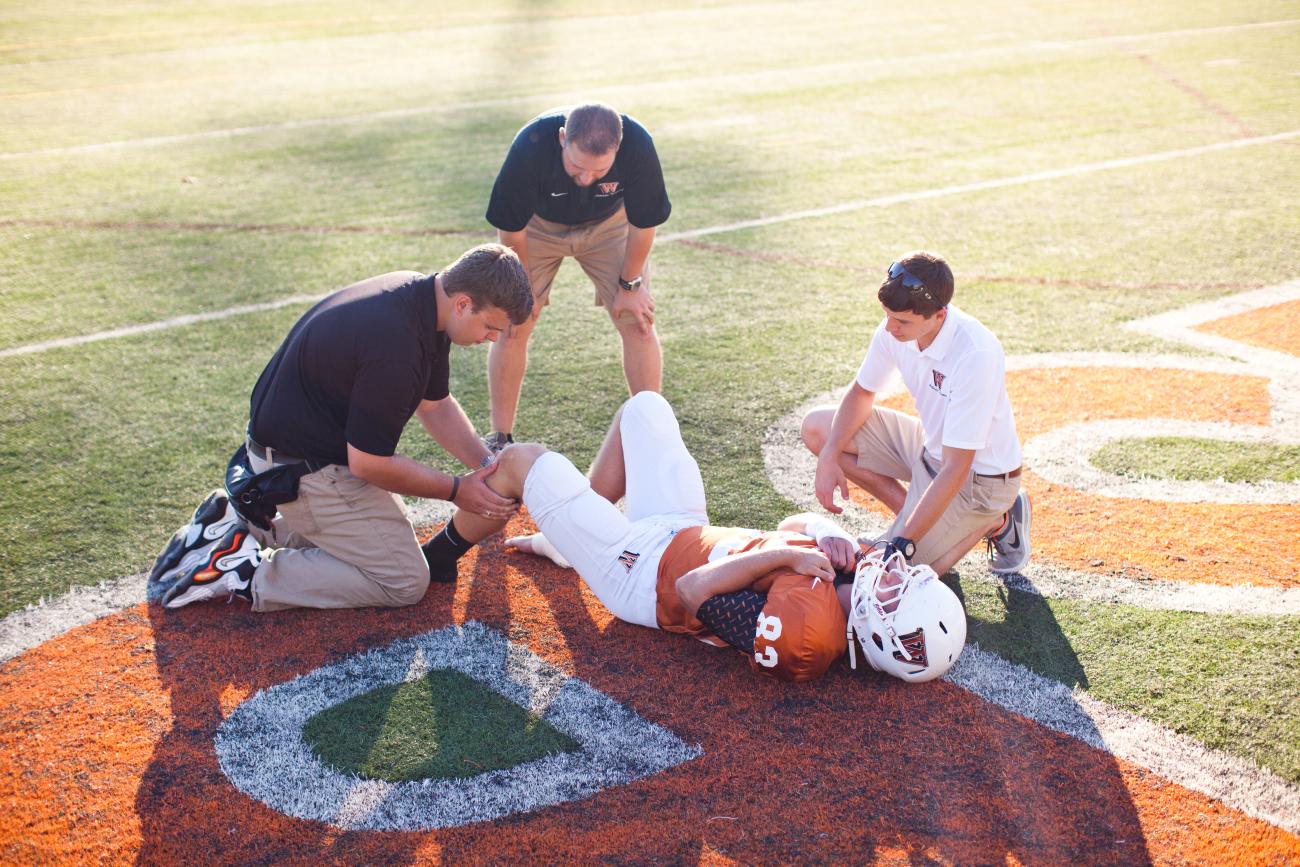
x: 960, y: 459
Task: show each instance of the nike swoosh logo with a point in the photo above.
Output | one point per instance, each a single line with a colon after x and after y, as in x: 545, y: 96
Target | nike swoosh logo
x: 557, y: 195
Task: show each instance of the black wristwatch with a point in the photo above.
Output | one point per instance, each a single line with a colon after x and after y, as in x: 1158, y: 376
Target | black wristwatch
x: 629, y: 285
x: 902, y: 545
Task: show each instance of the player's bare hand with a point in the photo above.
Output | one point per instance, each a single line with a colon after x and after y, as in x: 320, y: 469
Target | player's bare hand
x: 636, y: 307
x: 840, y: 551
x: 811, y: 563
x: 829, y: 477
x: 475, y: 496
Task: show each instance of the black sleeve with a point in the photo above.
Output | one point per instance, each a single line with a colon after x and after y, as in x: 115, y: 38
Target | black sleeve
x: 514, y: 195
x: 384, y: 396
x: 733, y: 617
x: 645, y: 199
x: 440, y: 377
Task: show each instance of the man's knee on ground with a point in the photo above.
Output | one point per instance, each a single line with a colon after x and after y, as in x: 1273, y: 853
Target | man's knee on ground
x: 514, y: 463
x: 816, y: 428
x: 408, y: 587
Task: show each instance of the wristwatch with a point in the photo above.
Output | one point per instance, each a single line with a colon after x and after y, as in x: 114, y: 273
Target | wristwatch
x: 904, y: 546
x: 630, y: 285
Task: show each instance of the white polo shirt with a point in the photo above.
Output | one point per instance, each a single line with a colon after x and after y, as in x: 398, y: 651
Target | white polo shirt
x: 959, y: 385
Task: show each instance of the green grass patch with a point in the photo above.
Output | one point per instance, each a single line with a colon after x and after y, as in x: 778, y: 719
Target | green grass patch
x: 445, y: 725
x: 1198, y: 459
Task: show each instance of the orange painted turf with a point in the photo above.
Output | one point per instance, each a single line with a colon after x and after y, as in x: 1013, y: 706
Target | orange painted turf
x: 107, y: 734
x: 1276, y: 327
x: 1208, y: 543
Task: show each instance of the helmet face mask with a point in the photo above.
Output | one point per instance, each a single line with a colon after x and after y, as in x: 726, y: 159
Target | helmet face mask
x: 904, y: 619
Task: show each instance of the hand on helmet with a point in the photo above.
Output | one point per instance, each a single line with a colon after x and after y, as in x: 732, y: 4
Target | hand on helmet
x: 811, y: 563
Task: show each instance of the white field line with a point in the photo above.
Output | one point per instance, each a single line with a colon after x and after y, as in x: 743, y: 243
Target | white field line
x: 822, y: 71
x: 34, y: 625
x: 1063, y: 456
x: 668, y: 238
x: 1237, y: 782
x: 1180, y: 325
x: 991, y: 184
x: 162, y: 325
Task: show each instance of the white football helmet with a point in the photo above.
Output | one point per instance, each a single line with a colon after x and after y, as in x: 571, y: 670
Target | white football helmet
x: 907, y: 621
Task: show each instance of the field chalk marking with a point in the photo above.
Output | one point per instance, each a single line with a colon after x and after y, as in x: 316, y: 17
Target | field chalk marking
x: 846, y: 207
x: 1237, y: 782
x: 162, y: 325
x: 979, y: 186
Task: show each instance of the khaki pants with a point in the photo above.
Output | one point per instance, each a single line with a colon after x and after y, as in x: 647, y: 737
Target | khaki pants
x: 892, y: 444
x: 598, y: 247
x: 344, y: 543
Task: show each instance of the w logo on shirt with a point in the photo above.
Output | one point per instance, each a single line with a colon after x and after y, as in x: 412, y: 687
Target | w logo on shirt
x: 628, y: 559
x: 609, y: 188
x: 938, y: 378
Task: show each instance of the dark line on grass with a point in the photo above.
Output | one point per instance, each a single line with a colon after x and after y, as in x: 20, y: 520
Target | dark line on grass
x: 1196, y: 93
x: 782, y: 258
x: 271, y: 228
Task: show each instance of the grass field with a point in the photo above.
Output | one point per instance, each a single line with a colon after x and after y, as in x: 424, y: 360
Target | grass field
x: 1081, y: 166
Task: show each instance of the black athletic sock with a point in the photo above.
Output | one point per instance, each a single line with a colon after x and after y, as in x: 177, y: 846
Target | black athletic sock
x: 442, y: 552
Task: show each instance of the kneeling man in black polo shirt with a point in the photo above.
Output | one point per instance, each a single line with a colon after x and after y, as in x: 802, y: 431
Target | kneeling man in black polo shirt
x: 337, y: 394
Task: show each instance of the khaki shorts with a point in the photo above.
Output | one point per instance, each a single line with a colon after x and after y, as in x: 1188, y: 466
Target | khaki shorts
x: 893, y: 444
x: 598, y: 247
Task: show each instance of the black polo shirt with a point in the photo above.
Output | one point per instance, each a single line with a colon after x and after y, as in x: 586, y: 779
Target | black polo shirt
x: 533, y: 181
x: 353, y: 370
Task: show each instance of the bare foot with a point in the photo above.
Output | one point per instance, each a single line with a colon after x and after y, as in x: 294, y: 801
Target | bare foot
x: 538, y: 544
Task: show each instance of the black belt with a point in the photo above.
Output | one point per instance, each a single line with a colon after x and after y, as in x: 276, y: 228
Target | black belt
x: 1011, y: 475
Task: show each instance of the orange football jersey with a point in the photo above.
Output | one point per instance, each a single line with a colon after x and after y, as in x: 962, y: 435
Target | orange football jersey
x: 800, y: 630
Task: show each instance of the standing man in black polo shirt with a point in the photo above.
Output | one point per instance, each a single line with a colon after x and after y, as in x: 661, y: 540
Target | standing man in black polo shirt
x: 583, y: 182
x: 337, y: 394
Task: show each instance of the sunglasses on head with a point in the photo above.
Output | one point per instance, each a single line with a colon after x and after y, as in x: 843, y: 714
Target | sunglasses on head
x: 911, y: 282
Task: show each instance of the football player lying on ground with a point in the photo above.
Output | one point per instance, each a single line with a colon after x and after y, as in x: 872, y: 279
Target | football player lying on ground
x: 775, y: 596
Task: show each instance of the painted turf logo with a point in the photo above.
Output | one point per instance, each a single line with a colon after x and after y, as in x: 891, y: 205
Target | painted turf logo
x: 262, y: 750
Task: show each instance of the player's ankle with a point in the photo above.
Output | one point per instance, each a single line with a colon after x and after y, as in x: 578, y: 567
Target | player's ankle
x: 443, y: 552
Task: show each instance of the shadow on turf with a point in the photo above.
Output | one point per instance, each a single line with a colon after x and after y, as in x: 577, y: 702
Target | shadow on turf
x: 206, y: 653
x: 929, y: 769
x: 1028, y: 634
